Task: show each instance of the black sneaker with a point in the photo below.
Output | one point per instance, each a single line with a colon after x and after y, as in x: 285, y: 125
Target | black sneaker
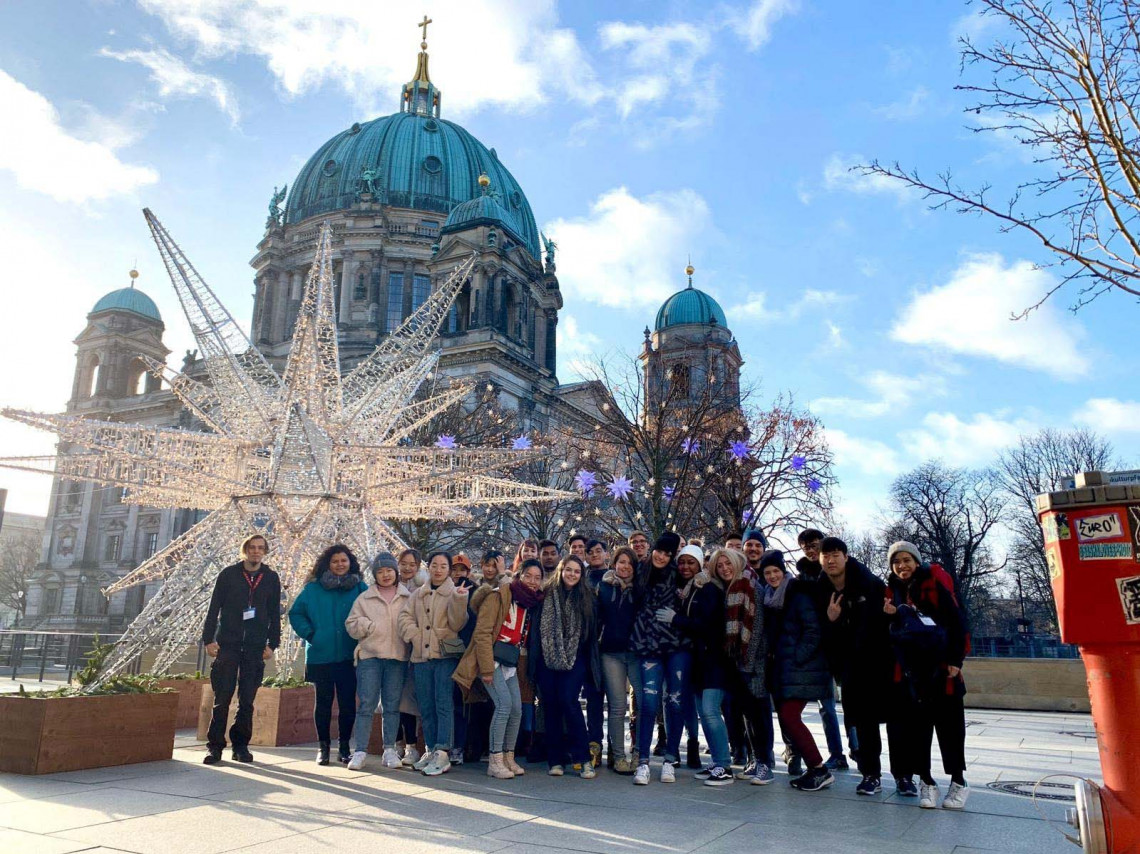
x: 814, y: 780
x: 213, y: 756
x: 345, y: 753
x: 795, y: 766
x: 906, y: 788
x: 869, y: 786
x: 718, y: 777
x: 242, y: 755
x: 837, y: 763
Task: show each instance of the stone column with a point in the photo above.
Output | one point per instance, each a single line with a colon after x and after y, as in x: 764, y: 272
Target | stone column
x: 347, y: 275
x: 477, y: 299
x: 281, y: 307
x: 538, y: 319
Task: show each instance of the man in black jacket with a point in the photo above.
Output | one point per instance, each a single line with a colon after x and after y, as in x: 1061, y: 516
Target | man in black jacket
x: 243, y: 627
x: 857, y: 644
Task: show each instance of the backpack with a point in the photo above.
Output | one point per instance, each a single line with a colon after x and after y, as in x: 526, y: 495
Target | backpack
x: 920, y: 647
x: 946, y: 581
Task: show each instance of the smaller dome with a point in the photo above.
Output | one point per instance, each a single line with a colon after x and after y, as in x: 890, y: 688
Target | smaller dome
x: 129, y: 299
x: 481, y: 210
x: 689, y: 306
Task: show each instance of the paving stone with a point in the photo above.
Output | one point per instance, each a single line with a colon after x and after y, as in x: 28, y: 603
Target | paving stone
x: 100, y: 806
x: 366, y: 836
x: 22, y: 842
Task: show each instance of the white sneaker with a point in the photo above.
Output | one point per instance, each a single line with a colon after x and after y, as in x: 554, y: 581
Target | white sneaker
x: 956, y: 797
x: 439, y: 764
x: 455, y: 756
x: 588, y: 772
x: 391, y: 759
x: 423, y: 761
x: 357, y: 761
x: 556, y: 771
x: 668, y: 774
x: 928, y: 795
x: 641, y: 776
x: 411, y: 757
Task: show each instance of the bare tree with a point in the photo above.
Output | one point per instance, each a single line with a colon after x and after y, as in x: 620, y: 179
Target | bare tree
x: 18, y: 556
x: 1063, y: 81
x: 1037, y: 464
x: 950, y: 513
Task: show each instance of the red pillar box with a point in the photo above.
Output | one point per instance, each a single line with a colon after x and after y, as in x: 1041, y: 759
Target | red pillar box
x: 1092, y: 542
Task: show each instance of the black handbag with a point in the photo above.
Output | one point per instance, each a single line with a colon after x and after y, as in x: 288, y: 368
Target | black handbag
x: 507, y: 654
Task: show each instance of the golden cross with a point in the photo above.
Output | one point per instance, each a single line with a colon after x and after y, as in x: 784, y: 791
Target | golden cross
x: 424, y: 24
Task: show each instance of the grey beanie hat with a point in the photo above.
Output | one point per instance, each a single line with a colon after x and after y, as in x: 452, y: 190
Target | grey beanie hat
x: 384, y: 560
x: 903, y: 546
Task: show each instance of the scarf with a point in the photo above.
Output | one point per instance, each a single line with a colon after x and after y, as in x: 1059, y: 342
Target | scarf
x: 740, y: 615
x: 560, y: 631
x: 523, y: 596
x: 348, y: 581
x: 774, y: 596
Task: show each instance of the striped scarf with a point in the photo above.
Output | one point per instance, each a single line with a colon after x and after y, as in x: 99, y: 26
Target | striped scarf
x: 740, y: 616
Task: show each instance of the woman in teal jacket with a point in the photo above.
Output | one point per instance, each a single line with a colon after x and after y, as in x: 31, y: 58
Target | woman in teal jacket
x: 318, y: 616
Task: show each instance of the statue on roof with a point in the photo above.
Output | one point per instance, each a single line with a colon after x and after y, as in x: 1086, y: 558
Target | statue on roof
x: 275, y: 212
x: 550, y: 246
x: 367, y: 183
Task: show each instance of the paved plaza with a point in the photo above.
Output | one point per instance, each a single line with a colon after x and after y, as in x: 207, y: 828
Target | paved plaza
x: 285, y: 803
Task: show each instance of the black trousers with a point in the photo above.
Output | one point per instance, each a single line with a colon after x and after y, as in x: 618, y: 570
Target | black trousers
x: 337, y: 679
x: 911, y: 737
x: 240, y: 669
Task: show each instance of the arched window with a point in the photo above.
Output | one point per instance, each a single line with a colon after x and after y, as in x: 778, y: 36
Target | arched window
x: 361, y: 288
x: 93, y: 381
x: 679, y: 375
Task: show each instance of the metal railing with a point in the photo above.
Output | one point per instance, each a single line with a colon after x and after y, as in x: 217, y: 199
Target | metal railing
x: 51, y: 656
x: 1023, y: 646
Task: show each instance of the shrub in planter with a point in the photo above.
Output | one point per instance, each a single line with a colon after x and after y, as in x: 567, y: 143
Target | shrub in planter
x: 125, y: 720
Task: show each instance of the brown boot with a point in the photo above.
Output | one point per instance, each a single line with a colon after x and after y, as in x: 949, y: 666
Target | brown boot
x: 509, y: 762
x: 496, y: 768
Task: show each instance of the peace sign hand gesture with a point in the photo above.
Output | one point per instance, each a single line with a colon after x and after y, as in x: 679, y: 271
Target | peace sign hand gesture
x: 834, y: 610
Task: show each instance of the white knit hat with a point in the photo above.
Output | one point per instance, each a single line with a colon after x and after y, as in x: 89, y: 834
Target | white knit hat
x: 903, y: 546
x: 693, y: 552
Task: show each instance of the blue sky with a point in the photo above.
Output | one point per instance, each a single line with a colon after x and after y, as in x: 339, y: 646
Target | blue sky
x: 642, y: 133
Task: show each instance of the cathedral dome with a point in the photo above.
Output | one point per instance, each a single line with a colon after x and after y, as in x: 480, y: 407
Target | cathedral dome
x: 128, y: 299
x: 419, y: 161
x: 484, y: 209
x: 689, y: 306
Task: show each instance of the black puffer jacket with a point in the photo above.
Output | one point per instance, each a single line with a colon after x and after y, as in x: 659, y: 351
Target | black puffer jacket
x: 654, y: 589
x: 615, y: 613
x: 858, y: 643
x: 800, y: 670
x: 702, y: 620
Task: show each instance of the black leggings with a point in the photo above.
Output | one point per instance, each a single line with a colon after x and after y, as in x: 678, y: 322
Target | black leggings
x: 336, y: 679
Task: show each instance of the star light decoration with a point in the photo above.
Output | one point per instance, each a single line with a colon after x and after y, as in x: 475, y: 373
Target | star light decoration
x: 308, y: 457
x: 620, y: 487
x: 738, y: 449
x: 586, y: 480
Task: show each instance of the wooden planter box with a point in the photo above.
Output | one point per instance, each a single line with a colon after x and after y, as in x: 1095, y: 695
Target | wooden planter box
x: 72, y: 733
x: 189, y: 693
x: 281, y: 716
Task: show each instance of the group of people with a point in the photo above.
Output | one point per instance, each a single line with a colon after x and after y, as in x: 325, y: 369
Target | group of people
x: 461, y: 661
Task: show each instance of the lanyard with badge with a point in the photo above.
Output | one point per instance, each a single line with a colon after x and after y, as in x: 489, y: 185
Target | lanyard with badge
x: 250, y: 612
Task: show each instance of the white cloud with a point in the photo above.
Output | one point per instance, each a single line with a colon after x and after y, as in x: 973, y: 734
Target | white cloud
x: 909, y: 107
x: 1109, y: 415
x: 975, y: 26
x: 973, y: 442
x: 890, y: 393
x: 755, y: 305
x: 970, y: 314
x: 48, y: 159
x: 175, y: 78
x: 575, y: 340
x: 627, y: 251
x: 368, y: 50
x: 841, y: 173
x: 869, y: 456
x: 755, y: 24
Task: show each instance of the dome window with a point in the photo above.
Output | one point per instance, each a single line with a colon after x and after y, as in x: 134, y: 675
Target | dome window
x: 330, y: 168
x: 516, y: 199
x: 430, y: 126
x: 432, y: 164
x: 355, y: 129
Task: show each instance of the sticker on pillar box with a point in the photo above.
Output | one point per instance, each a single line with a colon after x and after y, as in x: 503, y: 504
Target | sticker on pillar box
x: 1102, y: 526
x: 1056, y: 527
x: 1105, y: 551
x: 1054, y: 565
x: 1134, y: 512
x: 1130, y: 598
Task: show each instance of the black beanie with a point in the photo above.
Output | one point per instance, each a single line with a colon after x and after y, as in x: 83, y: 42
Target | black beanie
x: 772, y: 557
x: 668, y: 542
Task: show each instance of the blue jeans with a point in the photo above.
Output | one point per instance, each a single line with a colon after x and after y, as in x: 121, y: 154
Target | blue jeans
x: 508, y: 710
x: 565, y: 728
x: 830, y: 720
x: 669, y: 673
x: 433, y: 693
x: 620, y: 671
x: 712, y: 721
x: 379, y: 681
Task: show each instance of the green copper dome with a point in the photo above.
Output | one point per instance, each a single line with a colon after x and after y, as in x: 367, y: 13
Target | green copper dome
x: 483, y: 210
x: 417, y: 161
x: 128, y: 299
x: 689, y: 306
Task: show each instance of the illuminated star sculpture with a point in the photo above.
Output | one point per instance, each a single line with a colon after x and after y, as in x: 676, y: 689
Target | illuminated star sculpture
x: 309, y: 457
